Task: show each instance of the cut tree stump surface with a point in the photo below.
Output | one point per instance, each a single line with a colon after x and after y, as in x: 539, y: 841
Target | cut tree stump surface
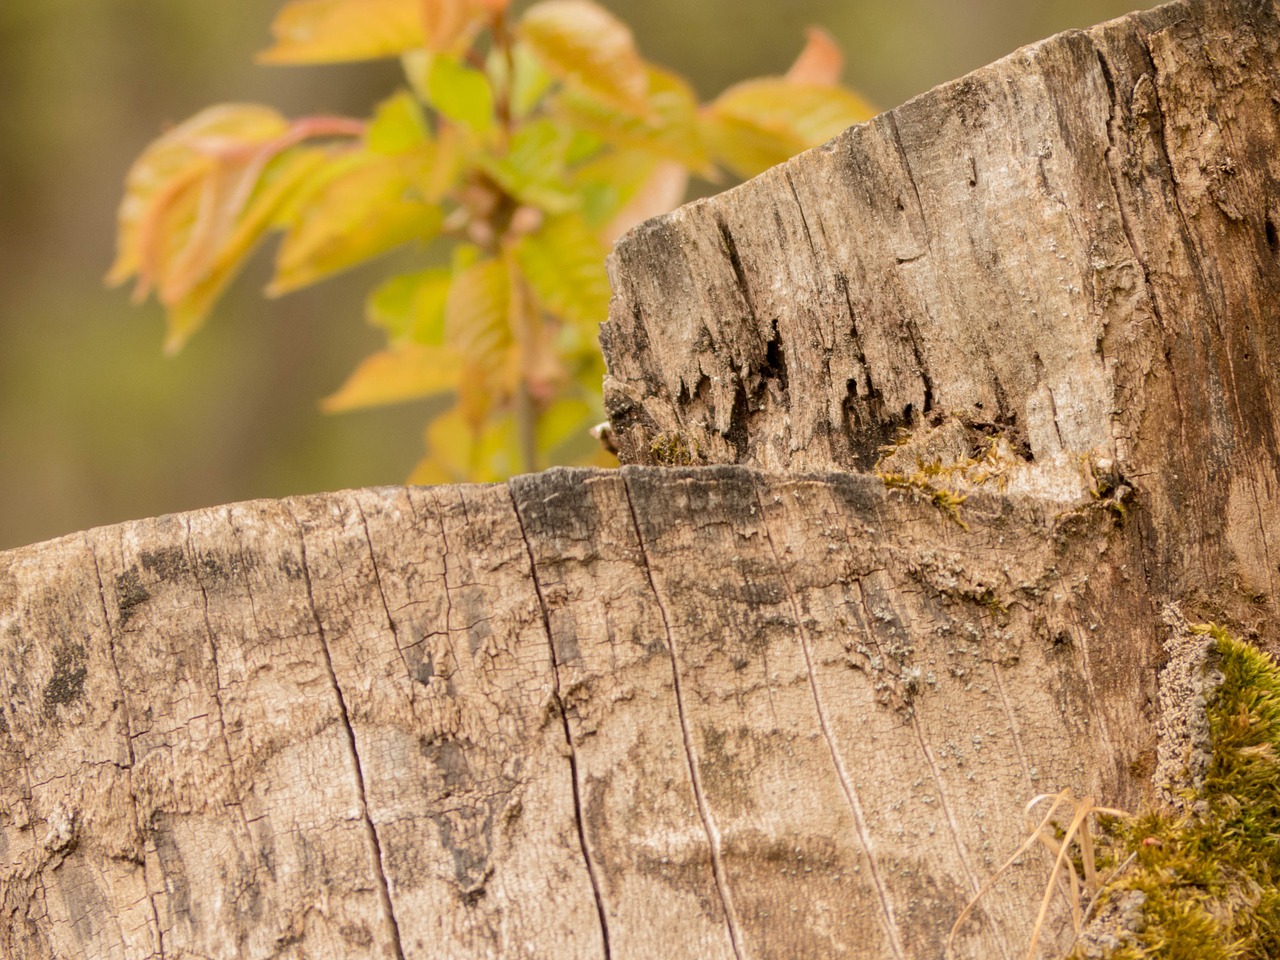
x: 712, y: 712
x: 777, y: 689
x: 1076, y: 247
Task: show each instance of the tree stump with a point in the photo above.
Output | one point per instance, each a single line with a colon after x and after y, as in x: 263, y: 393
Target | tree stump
x: 925, y: 427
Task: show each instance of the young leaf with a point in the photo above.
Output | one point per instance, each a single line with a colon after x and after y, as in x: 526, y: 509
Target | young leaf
x: 457, y: 91
x: 398, y: 125
x: 450, y: 25
x: 563, y: 263
x: 410, y: 307
x: 533, y: 167
x: 352, y: 212
x: 820, y: 62
x: 589, y: 48
x: 171, y: 165
x: 200, y: 198
x: 406, y: 371
x: 760, y: 123
x: 667, y: 127
x: 476, y: 312
x: 332, y: 31
x: 189, y: 306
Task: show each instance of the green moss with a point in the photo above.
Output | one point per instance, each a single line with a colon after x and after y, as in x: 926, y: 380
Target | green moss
x: 1210, y: 871
x: 922, y: 481
x: 671, y: 449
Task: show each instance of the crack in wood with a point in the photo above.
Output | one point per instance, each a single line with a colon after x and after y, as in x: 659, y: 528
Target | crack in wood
x: 580, y: 821
x: 128, y: 727
x: 691, y: 755
x: 847, y: 786
x: 349, y: 735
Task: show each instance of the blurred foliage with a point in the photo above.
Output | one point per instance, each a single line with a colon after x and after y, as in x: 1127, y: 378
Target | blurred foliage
x: 528, y: 143
x: 97, y: 427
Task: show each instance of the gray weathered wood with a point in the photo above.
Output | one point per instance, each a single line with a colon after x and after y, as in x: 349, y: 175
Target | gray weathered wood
x: 773, y: 707
x: 1077, y: 245
x: 711, y: 712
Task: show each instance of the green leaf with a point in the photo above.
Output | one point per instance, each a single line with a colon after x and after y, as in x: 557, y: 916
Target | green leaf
x: 352, y: 211
x: 760, y: 123
x: 398, y: 125
x: 410, y: 306
x: 585, y: 46
x: 668, y: 127
x: 533, y: 170
x: 476, y: 312
x: 460, y: 450
x: 332, y: 31
x: 459, y: 92
x: 621, y: 188
x: 563, y: 262
x: 531, y: 81
x: 407, y: 371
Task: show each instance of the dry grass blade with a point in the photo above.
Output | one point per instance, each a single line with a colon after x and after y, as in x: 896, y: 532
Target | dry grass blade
x: 1063, y: 873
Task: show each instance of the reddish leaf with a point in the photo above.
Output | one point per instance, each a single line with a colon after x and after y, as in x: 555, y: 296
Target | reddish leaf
x: 820, y: 62
x: 200, y: 197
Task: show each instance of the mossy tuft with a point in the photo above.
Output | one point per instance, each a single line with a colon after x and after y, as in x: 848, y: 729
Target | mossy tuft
x: 1209, y: 868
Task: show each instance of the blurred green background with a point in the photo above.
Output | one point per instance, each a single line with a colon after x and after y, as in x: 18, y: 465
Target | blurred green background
x: 96, y: 426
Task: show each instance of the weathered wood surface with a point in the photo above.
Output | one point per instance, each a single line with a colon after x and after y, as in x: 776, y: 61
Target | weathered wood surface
x: 698, y: 713
x: 716, y: 712
x: 1076, y: 245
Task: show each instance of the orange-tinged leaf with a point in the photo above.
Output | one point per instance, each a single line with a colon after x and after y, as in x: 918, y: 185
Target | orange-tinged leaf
x: 172, y: 164
x: 450, y: 25
x: 585, y: 46
x: 663, y: 190
x: 820, y: 62
x: 333, y: 31
x: 188, y: 309
x: 406, y: 371
x: 353, y: 212
x: 200, y: 198
x: 760, y: 123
